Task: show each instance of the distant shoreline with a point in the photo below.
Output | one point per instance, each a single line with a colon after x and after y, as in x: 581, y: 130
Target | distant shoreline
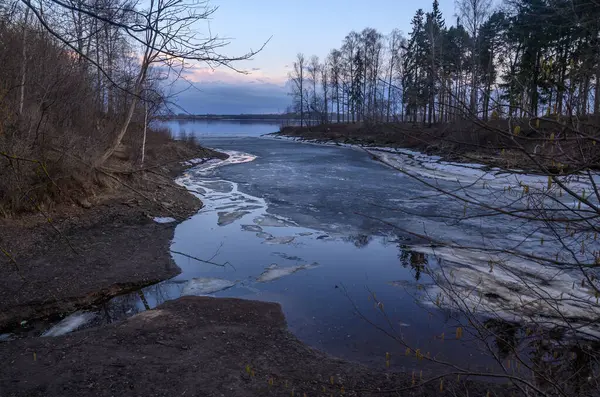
x: 232, y: 117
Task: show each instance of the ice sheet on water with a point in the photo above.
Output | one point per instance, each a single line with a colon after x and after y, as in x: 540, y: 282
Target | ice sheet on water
x: 431, y: 167
x: 252, y: 228
x: 264, y: 235
x: 164, y: 219
x: 235, y: 157
x: 195, y: 161
x: 70, y: 323
x: 219, y: 186
x: 274, y: 272
x: 204, y: 286
x: 279, y: 240
x: 227, y: 207
x: 273, y: 221
x: 251, y: 207
x: 226, y: 218
x: 509, y: 286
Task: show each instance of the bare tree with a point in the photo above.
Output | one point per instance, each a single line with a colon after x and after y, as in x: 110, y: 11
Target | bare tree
x: 474, y: 13
x: 168, y: 32
x: 335, y: 74
x: 325, y: 89
x: 298, y: 84
x: 24, y: 61
x: 314, y: 71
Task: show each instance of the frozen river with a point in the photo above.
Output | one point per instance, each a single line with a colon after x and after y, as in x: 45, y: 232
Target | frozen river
x: 337, y: 238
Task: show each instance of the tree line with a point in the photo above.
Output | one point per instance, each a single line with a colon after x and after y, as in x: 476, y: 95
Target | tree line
x: 81, y: 78
x: 519, y: 58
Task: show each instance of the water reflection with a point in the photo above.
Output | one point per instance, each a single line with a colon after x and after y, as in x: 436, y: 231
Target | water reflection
x: 359, y: 240
x: 416, y: 261
x: 544, y: 352
x: 556, y: 362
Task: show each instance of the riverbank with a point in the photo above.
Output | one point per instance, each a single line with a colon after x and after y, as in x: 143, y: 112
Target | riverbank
x: 463, y: 142
x: 201, y: 346
x: 109, y: 243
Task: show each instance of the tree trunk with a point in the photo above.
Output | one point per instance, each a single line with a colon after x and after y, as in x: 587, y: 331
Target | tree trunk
x: 24, y: 61
x: 597, y: 91
x: 123, y: 130
x: 337, y: 101
x: 145, y: 130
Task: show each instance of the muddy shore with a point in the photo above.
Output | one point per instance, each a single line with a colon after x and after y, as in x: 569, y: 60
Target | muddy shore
x: 81, y: 254
x: 197, y: 346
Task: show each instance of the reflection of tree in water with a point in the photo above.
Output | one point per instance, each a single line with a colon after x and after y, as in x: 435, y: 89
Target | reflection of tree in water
x: 415, y: 260
x: 127, y: 305
x: 548, y: 356
x: 359, y: 240
x: 506, y: 339
x: 535, y: 352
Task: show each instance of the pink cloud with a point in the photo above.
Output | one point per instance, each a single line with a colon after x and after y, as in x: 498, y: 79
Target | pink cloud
x: 198, y: 74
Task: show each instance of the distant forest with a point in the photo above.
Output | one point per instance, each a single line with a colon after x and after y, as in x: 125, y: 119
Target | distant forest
x: 263, y: 117
x: 515, y: 59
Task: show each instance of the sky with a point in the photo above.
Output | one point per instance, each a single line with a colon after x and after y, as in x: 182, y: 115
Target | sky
x: 312, y: 27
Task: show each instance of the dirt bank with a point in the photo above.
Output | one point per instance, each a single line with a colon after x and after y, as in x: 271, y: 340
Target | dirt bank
x: 464, y: 141
x: 195, y: 346
x: 79, y: 254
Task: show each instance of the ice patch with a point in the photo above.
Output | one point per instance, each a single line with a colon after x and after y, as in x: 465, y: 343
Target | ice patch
x: 227, y: 207
x: 252, y: 228
x: 508, y: 286
x: 251, y: 207
x: 226, y: 218
x: 235, y: 157
x: 70, y: 323
x: 273, y: 221
x: 431, y: 167
x: 196, y: 161
x: 204, y: 286
x: 165, y: 219
x: 274, y: 272
x: 219, y: 186
x: 280, y: 240
x: 264, y: 235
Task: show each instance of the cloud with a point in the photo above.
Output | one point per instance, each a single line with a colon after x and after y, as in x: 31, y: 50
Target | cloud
x: 224, y: 91
x: 198, y: 74
x: 225, y: 97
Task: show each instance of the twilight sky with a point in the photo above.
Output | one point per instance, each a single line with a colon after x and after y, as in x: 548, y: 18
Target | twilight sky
x: 308, y: 26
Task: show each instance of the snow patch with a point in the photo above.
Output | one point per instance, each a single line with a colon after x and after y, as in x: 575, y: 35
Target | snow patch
x: 70, y: 323
x: 165, y: 219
